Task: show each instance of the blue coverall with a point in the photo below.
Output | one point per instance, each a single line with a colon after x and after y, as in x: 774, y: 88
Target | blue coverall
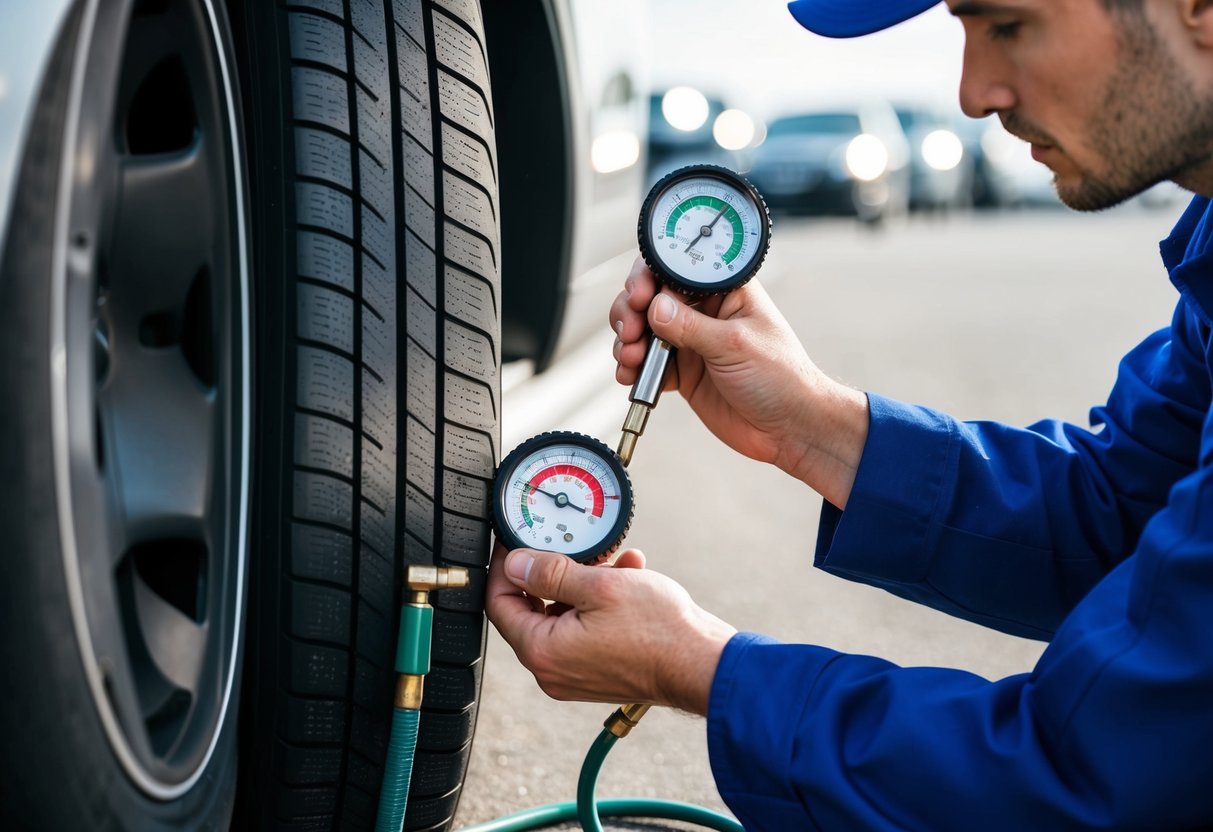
x: 1098, y: 540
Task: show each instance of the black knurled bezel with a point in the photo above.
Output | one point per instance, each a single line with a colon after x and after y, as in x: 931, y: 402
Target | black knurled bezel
x: 557, y: 437
x: 648, y: 249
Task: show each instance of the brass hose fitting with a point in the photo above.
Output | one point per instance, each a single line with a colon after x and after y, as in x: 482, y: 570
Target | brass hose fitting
x: 633, y: 429
x: 625, y: 718
x: 416, y: 628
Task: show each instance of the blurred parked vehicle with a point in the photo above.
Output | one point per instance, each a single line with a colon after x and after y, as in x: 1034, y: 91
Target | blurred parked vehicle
x: 851, y: 159
x: 260, y: 264
x: 1004, y: 173
x: 941, y: 172
x: 687, y: 126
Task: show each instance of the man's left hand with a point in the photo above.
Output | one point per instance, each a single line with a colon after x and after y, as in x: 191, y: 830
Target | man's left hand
x: 623, y: 634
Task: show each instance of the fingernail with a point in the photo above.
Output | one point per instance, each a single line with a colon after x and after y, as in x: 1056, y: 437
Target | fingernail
x: 615, y: 350
x: 629, y: 286
x: 664, y: 309
x: 518, y: 566
x: 619, y: 328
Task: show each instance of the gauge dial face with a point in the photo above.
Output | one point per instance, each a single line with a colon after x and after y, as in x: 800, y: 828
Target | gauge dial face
x: 563, y: 493
x: 704, y: 229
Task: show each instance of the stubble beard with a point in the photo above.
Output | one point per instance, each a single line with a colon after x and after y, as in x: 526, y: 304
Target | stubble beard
x: 1152, y: 127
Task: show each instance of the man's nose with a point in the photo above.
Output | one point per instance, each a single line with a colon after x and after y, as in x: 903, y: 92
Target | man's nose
x: 985, y: 86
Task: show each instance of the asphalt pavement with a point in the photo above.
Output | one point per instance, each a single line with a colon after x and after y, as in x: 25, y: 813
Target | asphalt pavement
x: 1013, y: 317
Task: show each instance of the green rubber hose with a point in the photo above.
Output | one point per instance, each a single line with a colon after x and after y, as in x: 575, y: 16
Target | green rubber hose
x: 587, y: 782
x: 587, y: 809
x: 412, y: 665
x: 398, y: 770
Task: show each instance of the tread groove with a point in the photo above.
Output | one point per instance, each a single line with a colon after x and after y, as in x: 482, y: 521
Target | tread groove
x: 458, y: 174
x: 323, y: 345
x: 321, y: 414
x: 457, y: 126
x: 356, y: 515
x: 462, y: 24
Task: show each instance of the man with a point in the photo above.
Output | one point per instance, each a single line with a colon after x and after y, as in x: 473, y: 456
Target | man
x: 1100, y: 541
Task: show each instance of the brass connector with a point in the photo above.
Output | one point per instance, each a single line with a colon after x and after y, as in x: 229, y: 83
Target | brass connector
x: 422, y: 580
x: 633, y: 429
x: 625, y: 718
x: 409, y: 687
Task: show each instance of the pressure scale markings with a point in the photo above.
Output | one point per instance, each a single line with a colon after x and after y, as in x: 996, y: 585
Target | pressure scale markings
x: 704, y: 230
x: 562, y: 492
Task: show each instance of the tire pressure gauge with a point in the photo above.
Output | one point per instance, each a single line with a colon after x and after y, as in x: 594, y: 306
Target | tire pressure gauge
x: 562, y: 492
x: 704, y: 230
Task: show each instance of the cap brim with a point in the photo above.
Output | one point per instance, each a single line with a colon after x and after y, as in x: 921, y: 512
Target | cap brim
x: 850, y: 19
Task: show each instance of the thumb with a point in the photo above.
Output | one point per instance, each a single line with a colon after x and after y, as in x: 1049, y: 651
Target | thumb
x: 551, y: 576
x: 672, y: 319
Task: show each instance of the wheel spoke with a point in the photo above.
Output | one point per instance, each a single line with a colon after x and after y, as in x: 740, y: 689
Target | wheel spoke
x: 164, y: 441
x: 175, y: 643
x: 163, y: 233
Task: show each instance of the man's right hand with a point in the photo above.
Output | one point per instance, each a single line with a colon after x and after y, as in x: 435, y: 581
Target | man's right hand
x: 747, y: 377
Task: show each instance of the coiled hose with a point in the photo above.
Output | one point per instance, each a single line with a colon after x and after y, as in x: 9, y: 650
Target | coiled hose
x: 586, y: 808
x: 412, y: 665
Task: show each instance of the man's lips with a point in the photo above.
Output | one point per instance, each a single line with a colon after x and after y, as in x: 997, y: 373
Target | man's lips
x: 1040, y: 147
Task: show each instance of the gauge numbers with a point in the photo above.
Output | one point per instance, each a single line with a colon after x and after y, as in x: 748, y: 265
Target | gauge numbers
x: 704, y: 230
x: 562, y: 492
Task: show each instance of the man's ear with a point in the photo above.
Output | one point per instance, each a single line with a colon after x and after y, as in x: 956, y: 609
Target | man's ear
x: 1198, y: 18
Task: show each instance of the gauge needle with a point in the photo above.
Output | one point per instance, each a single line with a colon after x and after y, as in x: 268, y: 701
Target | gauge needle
x: 706, y: 230
x: 561, y: 499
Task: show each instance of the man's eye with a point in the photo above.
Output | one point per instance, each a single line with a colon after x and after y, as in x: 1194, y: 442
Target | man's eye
x: 1004, y: 31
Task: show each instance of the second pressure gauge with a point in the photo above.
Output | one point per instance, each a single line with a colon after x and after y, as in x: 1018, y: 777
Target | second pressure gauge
x: 562, y: 492
x: 704, y: 230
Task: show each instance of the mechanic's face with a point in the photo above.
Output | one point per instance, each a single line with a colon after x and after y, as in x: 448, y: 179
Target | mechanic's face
x: 1109, y: 100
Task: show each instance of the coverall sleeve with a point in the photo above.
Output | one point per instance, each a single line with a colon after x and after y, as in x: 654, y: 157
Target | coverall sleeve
x: 1010, y: 527
x: 1113, y: 729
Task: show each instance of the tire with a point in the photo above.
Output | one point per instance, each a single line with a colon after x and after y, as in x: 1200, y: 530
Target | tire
x: 374, y: 179
x: 124, y: 477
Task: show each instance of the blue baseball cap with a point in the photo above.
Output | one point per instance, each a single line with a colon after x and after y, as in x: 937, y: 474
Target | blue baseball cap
x: 852, y: 18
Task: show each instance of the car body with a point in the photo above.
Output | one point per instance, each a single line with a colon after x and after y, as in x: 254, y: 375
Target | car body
x: 851, y: 158
x: 262, y: 264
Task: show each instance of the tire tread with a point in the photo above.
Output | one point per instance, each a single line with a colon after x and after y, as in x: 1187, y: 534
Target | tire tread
x: 395, y: 344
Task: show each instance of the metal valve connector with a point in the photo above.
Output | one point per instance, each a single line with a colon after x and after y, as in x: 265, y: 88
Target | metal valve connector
x: 422, y: 580
x: 624, y: 719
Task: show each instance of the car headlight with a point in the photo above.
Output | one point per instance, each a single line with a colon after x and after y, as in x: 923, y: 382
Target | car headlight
x: 733, y: 130
x: 685, y: 108
x: 942, y: 150
x: 614, y: 151
x: 867, y: 157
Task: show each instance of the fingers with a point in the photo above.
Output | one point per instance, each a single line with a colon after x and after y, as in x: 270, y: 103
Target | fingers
x: 630, y: 559
x: 672, y: 318
x: 630, y: 355
x: 626, y: 317
x: 627, y: 320
x: 554, y: 577
x: 705, y: 327
x: 507, y: 605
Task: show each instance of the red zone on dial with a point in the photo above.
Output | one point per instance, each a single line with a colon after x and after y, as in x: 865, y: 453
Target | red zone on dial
x: 563, y: 470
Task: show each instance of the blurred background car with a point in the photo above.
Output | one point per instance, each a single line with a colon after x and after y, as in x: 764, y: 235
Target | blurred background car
x: 1004, y: 175
x: 850, y: 158
x: 941, y: 172
x: 688, y: 126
